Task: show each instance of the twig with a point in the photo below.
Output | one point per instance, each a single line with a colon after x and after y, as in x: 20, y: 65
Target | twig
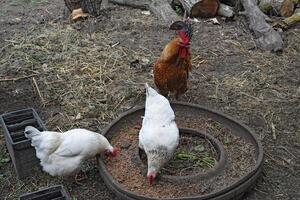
x: 261, y: 191
x: 284, y: 148
x: 113, y: 45
x: 278, y: 162
x: 2, y: 49
x: 63, y: 81
x: 248, y: 95
x: 273, y: 130
x: 16, y: 79
x: 116, y: 106
x: 38, y: 90
x: 59, y: 129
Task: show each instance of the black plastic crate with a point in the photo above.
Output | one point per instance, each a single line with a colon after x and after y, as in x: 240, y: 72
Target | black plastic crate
x: 52, y: 193
x: 19, y: 147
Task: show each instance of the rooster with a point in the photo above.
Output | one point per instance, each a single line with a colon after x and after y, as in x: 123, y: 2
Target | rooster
x: 159, y: 134
x: 61, y: 154
x: 171, y: 70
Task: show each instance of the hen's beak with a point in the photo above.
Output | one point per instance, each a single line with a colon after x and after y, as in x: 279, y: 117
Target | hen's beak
x: 112, y: 153
x: 151, y: 176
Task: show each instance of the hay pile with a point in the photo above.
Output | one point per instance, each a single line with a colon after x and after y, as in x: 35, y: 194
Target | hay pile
x: 86, y: 74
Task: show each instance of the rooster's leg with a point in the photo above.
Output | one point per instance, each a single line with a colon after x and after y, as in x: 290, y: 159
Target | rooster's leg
x: 181, y: 91
x: 177, y: 95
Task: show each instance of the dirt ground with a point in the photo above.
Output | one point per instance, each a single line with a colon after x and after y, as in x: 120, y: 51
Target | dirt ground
x: 84, y: 74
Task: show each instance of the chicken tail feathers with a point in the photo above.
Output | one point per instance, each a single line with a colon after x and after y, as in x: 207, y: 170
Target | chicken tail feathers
x: 30, y: 132
x: 150, y: 91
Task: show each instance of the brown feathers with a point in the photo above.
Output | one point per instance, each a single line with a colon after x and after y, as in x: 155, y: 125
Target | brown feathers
x: 171, y: 71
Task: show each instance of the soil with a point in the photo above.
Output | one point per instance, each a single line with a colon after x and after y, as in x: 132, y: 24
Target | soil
x: 131, y: 175
x: 87, y: 73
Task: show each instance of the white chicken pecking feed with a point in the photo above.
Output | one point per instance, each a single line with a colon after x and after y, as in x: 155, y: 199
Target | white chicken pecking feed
x: 61, y: 154
x: 159, y: 135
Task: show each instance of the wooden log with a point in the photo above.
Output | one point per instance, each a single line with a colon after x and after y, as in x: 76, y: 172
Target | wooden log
x: 104, y: 4
x: 88, y: 6
x: 270, y: 6
x: 287, y: 8
x: 161, y: 8
x: 187, y: 5
x: 206, y: 8
x: 133, y: 3
x: 225, y: 10
x: 267, y: 38
x: 92, y: 7
x: 231, y: 3
x: 200, y: 8
x: 295, y: 18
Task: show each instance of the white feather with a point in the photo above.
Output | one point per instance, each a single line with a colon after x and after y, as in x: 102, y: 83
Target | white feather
x: 62, y: 153
x: 159, y: 127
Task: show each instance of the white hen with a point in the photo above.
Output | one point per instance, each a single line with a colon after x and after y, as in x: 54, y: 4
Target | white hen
x: 159, y: 135
x: 62, y: 154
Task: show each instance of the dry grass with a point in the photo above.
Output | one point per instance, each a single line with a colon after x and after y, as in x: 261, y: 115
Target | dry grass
x: 82, y: 73
x: 87, y: 74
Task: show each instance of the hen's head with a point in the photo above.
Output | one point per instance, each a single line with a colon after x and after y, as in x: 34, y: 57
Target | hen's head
x: 112, y: 152
x: 151, y: 176
x: 184, y: 30
x: 156, y: 159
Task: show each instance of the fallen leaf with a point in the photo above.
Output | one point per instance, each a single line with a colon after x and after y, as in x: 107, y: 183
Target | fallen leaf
x: 214, y: 21
x: 199, y: 148
x: 146, y: 12
x: 195, y: 20
x: 78, y: 116
x: 77, y: 14
x: 145, y: 60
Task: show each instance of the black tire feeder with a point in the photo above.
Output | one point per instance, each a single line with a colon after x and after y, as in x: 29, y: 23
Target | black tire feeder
x: 233, y: 191
x: 217, y: 169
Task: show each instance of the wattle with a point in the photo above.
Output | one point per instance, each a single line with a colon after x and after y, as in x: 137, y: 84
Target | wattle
x: 183, y: 52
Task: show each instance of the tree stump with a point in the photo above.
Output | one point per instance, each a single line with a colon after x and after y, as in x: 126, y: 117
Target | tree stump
x: 92, y: 7
x: 267, y: 38
x: 161, y: 8
x: 73, y: 4
x: 201, y: 8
